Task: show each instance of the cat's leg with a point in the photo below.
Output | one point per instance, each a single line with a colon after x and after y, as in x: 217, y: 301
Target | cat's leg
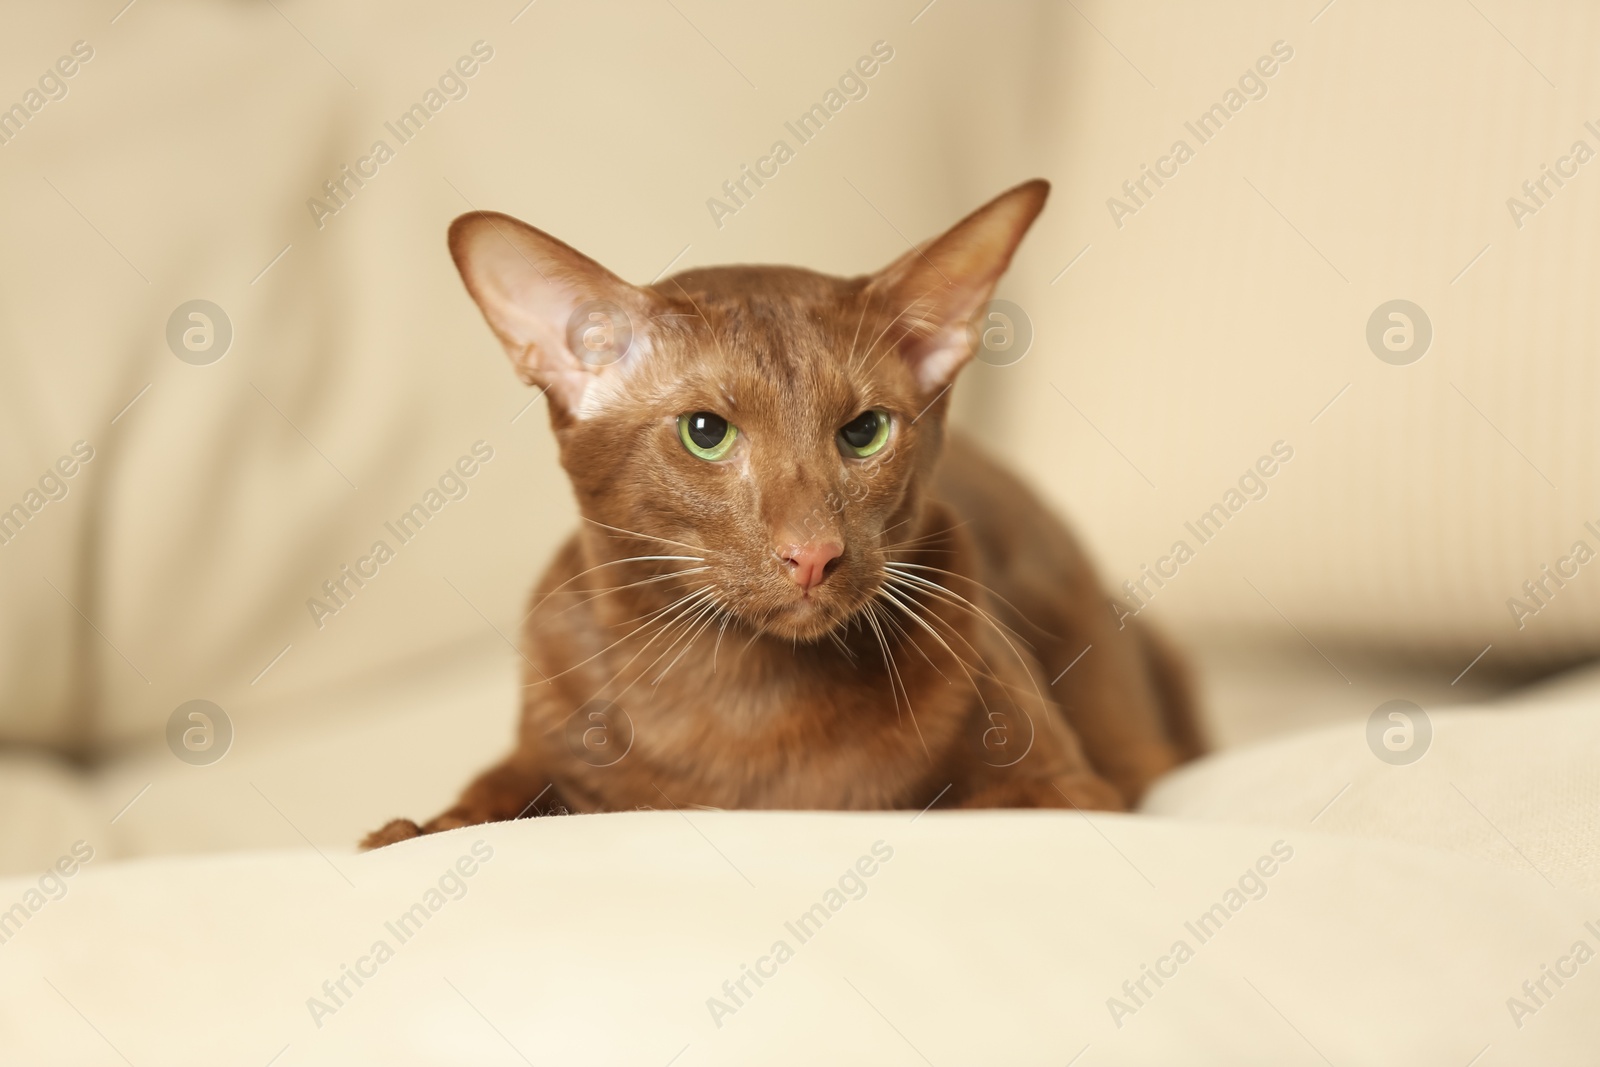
x: 1083, y: 792
x: 1175, y: 689
x: 1044, y: 766
x: 508, y: 790
x: 1122, y: 690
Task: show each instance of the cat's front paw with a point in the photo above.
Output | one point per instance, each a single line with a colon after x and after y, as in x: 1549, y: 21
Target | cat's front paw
x: 391, y: 832
x: 1083, y: 792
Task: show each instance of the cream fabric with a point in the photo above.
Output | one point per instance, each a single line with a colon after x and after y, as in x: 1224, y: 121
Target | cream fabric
x: 1033, y: 918
x: 326, y: 769
x: 945, y: 938
x: 335, y: 764
x: 1514, y: 784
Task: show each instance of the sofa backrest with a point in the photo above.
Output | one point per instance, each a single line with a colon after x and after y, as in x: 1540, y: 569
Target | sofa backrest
x: 1200, y: 371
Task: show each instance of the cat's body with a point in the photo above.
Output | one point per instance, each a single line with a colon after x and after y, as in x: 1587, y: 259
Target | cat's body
x: 795, y: 621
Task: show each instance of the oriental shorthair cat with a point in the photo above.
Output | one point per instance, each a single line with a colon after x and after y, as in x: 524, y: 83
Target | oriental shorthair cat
x: 793, y: 587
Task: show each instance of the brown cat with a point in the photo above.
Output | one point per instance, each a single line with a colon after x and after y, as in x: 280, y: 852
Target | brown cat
x: 790, y: 590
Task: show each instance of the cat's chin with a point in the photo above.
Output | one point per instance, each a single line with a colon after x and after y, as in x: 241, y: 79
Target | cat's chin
x: 805, y: 620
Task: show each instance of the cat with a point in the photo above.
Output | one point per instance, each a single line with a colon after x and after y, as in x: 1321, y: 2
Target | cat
x: 792, y: 588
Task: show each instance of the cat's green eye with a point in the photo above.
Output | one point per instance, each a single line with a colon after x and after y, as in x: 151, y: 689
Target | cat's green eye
x: 865, y: 435
x: 707, y: 435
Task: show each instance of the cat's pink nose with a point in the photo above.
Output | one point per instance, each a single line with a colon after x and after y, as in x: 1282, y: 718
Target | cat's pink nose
x: 809, y: 564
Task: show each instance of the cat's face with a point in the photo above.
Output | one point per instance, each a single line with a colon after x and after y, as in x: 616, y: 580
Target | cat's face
x: 771, y: 427
x: 768, y: 433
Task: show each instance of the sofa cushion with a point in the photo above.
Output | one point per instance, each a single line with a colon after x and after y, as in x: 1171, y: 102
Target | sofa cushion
x: 1513, y: 783
x: 790, y: 938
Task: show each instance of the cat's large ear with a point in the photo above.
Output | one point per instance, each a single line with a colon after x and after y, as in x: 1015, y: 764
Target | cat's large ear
x: 563, y: 318
x: 939, y: 287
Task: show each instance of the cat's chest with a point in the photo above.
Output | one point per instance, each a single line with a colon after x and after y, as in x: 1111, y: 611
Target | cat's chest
x: 761, y: 738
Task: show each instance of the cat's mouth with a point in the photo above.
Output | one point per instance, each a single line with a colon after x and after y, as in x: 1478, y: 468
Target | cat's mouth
x: 809, y: 616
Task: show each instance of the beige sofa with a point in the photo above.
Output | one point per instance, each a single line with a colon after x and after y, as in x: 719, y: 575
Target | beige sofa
x: 1180, y: 331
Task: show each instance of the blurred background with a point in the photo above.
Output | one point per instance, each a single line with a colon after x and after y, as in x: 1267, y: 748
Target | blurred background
x: 1191, y: 311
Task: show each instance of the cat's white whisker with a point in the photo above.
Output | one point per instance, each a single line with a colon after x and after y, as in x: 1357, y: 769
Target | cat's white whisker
x: 977, y: 690
x: 958, y: 601
x: 902, y: 599
x: 698, y: 625
x: 757, y: 629
x: 727, y: 617
x: 941, y: 594
x: 653, y: 579
x: 888, y: 662
x: 910, y: 711
x: 695, y: 602
x: 905, y: 638
x: 920, y: 324
x: 647, y: 537
x: 900, y: 567
x: 979, y: 661
x: 937, y: 535
x: 873, y: 346
x: 865, y: 307
x: 715, y: 340
x: 600, y: 566
x: 650, y: 618
x: 956, y: 598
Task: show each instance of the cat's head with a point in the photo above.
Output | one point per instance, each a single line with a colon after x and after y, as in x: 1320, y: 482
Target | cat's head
x: 771, y: 426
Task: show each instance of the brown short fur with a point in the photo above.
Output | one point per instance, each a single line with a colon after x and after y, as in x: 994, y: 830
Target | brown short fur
x: 959, y: 651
